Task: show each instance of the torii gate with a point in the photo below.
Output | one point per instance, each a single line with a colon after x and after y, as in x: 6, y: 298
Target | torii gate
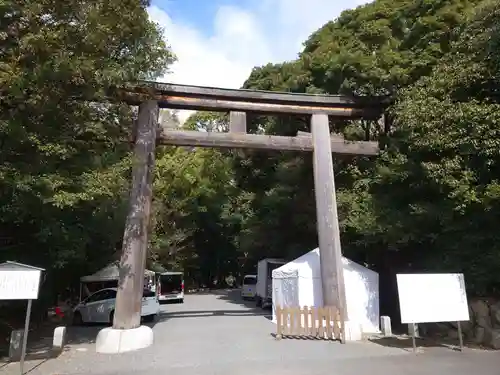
x: 126, y: 333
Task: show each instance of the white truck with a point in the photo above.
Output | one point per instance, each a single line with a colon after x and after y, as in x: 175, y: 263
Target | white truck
x: 264, y: 292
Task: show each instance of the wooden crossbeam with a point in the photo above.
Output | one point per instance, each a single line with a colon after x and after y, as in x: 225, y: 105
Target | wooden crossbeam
x: 262, y: 95
x: 263, y: 142
x: 179, y: 102
x: 216, y: 99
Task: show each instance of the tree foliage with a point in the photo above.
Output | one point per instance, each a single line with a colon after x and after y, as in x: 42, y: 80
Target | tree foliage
x: 428, y: 201
x: 447, y: 144
x: 64, y: 162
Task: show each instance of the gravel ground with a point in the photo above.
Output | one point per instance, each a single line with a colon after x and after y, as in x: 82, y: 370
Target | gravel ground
x: 218, y: 334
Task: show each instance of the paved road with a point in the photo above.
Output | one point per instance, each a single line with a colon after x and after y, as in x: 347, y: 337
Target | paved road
x: 218, y: 334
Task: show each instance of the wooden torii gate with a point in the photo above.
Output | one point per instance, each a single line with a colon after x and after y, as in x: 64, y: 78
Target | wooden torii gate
x: 150, y: 96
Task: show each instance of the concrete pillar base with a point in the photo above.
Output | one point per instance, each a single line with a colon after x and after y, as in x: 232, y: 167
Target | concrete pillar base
x: 353, y: 331
x: 111, y: 341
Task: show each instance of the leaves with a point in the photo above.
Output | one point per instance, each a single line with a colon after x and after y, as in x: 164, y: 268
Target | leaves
x: 64, y: 162
x: 431, y: 195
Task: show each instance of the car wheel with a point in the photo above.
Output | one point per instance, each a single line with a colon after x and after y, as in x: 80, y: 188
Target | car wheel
x: 77, y: 319
x: 149, y: 318
x: 111, y: 317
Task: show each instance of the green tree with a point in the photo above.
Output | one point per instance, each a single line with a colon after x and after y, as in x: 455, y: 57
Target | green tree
x: 64, y: 162
x: 411, y: 207
x: 194, y: 227
x: 445, y: 155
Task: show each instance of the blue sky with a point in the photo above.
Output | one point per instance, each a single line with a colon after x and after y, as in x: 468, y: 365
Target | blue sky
x: 218, y: 42
x: 199, y: 13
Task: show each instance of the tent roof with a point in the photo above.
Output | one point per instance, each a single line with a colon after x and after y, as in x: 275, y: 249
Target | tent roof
x: 15, y: 266
x: 110, y: 272
x: 308, y: 266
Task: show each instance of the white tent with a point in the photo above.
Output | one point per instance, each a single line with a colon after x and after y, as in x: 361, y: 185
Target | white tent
x: 298, y: 283
x: 109, y: 273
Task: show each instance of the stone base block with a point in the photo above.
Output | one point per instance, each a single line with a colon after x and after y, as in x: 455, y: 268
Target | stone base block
x: 111, y: 341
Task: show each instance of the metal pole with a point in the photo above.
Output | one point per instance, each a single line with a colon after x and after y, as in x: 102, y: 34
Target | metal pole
x: 460, y: 338
x: 332, y: 272
x: 413, y: 338
x: 25, y: 335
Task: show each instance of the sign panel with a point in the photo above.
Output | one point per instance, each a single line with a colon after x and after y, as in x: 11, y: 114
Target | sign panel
x: 432, y: 298
x: 19, y: 284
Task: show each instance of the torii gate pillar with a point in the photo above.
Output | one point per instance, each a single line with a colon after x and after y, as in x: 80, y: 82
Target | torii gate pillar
x: 127, y: 334
x: 330, y: 253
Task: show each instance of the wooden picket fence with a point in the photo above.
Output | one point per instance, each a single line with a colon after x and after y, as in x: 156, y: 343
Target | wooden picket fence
x: 309, y: 322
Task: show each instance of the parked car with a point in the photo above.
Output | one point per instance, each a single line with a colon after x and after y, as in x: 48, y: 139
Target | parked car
x: 99, y: 307
x: 248, y: 289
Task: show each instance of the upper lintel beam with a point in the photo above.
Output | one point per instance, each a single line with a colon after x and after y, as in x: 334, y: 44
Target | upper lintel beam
x: 218, y: 99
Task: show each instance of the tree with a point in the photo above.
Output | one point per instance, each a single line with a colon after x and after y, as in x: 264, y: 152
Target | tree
x: 64, y: 162
x: 194, y: 225
x: 406, y: 209
x: 447, y: 144
x: 168, y: 119
x: 208, y: 121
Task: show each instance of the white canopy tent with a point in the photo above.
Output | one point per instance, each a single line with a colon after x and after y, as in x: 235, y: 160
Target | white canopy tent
x: 108, y: 274
x: 298, y: 284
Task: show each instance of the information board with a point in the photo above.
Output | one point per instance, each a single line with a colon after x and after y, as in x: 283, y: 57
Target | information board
x: 19, y: 284
x: 432, y: 298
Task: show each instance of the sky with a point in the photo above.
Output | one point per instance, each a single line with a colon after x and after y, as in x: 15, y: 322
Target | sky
x: 218, y: 42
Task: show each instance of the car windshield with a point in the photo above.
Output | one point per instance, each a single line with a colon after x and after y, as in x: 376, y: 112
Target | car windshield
x: 171, y: 283
x: 250, y: 280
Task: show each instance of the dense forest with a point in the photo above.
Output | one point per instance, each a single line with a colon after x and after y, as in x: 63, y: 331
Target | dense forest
x: 426, y: 203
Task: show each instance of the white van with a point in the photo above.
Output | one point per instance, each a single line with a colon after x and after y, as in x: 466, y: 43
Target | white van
x: 171, y: 287
x: 248, y: 289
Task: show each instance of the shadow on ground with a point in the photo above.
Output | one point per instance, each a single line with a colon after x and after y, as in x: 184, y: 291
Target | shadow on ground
x: 234, y: 296
x: 87, y: 334
x: 40, y: 344
x: 39, y: 350
x: 406, y: 343
x: 230, y: 295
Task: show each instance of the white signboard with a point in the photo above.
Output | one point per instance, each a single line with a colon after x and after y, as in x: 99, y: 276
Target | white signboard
x: 432, y: 298
x: 19, y: 284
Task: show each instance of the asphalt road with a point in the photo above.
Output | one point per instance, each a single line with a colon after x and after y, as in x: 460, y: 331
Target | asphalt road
x: 219, y: 334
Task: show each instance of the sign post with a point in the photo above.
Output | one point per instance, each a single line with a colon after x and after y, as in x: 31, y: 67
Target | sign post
x: 20, y: 281
x: 25, y: 335
x: 460, y: 338
x: 432, y: 298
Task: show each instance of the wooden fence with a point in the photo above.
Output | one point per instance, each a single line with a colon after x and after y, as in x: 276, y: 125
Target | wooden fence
x: 313, y: 322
